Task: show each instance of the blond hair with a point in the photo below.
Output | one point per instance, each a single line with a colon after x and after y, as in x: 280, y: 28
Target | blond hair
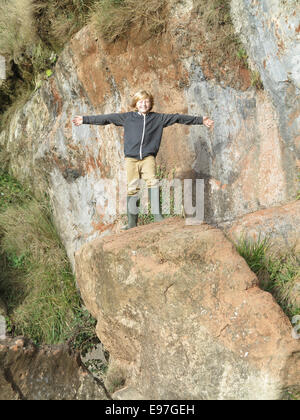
x: 142, y: 94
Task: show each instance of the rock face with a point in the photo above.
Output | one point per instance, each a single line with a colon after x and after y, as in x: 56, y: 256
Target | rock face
x: 248, y: 163
x: 275, y: 26
x: 182, y: 317
x: 281, y: 225
x: 47, y: 373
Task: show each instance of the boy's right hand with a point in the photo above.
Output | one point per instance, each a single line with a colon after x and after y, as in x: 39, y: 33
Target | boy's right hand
x: 77, y: 120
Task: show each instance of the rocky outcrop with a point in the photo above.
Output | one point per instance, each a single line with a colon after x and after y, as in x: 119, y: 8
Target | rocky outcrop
x: 270, y: 33
x: 28, y: 372
x: 177, y: 308
x: 280, y: 225
x: 248, y: 163
x: 182, y: 316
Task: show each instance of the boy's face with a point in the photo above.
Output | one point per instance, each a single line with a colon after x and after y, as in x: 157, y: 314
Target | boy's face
x: 143, y: 105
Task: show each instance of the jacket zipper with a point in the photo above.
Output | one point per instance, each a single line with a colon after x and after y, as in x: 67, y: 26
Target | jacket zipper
x: 143, y: 135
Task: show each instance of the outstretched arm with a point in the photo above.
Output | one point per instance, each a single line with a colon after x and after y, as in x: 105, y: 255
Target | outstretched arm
x: 170, y: 119
x: 116, y: 119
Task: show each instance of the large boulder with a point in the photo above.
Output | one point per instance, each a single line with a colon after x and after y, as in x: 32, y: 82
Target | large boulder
x: 28, y: 372
x: 182, y: 316
x: 280, y: 225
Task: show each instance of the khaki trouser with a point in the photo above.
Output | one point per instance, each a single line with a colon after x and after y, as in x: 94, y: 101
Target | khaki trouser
x: 140, y: 169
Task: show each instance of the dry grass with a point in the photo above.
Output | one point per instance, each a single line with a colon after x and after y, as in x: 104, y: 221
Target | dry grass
x: 17, y: 28
x: 25, y: 55
x: 28, y: 27
x: 113, y: 19
x: 32, y: 34
x: 58, y: 20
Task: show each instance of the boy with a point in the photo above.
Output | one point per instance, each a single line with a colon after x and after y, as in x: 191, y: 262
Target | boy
x: 142, y: 136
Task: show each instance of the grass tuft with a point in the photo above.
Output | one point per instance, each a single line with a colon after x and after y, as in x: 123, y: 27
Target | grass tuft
x: 277, y: 274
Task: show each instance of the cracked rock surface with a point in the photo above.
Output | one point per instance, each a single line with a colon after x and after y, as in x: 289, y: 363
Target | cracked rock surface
x: 28, y: 372
x: 182, y: 316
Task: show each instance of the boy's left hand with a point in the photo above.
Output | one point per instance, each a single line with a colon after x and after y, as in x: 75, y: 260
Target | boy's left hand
x: 208, y: 122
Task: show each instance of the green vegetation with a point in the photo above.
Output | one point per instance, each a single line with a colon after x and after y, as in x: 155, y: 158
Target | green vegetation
x: 242, y: 55
x: 277, y: 274
x: 36, y: 281
x: 256, y: 80
x: 11, y: 192
x: 32, y: 35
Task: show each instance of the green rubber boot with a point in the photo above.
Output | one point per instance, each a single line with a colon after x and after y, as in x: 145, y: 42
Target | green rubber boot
x: 153, y: 194
x: 133, y: 203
